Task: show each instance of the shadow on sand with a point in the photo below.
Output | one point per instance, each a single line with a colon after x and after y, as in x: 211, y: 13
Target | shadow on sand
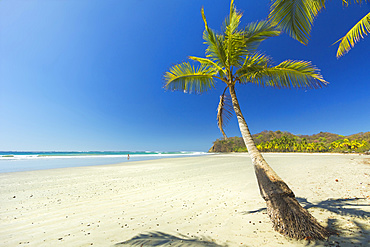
x: 354, y: 233
x: 164, y: 239
x: 347, y: 206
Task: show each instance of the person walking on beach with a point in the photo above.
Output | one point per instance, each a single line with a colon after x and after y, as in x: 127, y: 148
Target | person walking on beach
x: 128, y: 156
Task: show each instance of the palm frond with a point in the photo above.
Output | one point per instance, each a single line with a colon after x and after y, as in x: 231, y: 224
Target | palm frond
x: 235, y: 49
x: 208, y: 62
x: 256, y: 32
x: 295, y: 17
x: 357, y: 32
x: 252, y: 64
x: 234, y: 41
x: 188, y: 78
x: 224, y: 112
x: 288, y: 74
x: 232, y: 22
x: 215, y: 49
x: 256, y: 59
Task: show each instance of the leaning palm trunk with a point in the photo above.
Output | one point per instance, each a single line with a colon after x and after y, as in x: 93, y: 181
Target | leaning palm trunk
x: 287, y: 215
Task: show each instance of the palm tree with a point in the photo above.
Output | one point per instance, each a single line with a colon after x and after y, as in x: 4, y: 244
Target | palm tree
x: 296, y: 17
x: 231, y: 58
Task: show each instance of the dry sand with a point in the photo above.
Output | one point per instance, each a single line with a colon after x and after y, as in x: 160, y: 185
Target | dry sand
x: 198, y: 201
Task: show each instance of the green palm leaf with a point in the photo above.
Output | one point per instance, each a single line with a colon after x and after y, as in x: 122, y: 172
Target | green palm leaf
x: 295, y: 17
x: 256, y: 32
x: 188, y: 78
x: 208, y: 62
x: 215, y: 49
x: 235, y: 49
x: 288, y: 74
x: 252, y: 64
x: 232, y: 22
x: 234, y: 41
x: 357, y: 32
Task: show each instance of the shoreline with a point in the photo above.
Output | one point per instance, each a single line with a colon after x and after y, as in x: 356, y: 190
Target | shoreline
x: 32, y: 163
x: 211, y: 199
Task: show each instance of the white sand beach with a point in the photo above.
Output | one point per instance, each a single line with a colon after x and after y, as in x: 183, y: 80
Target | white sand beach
x: 195, y: 201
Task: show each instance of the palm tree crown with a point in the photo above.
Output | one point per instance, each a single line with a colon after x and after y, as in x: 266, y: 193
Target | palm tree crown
x: 232, y: 57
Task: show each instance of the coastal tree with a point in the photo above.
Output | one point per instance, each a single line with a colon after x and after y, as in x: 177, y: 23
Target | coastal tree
x: 232, y: 58
x: 296, y: 18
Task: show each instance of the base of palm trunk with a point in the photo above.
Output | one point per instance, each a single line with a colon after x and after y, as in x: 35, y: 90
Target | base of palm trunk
x: 287, y: 215
x: 291, y: 219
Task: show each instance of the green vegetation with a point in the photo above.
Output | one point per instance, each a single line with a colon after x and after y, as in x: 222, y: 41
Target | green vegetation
x: 231, y: 144
x: 8, y: 156
x: 270, y: 141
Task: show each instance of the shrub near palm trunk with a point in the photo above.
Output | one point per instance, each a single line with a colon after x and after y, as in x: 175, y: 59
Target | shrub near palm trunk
x: 232, y: 59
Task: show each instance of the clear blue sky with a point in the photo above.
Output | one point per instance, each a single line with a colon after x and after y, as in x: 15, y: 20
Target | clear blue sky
x: 88, y: 75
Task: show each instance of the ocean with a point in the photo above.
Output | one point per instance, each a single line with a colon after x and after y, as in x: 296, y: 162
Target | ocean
x: 29, y: 161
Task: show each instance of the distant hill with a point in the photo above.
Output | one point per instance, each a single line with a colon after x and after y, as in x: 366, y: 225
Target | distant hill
x: 282, y: 141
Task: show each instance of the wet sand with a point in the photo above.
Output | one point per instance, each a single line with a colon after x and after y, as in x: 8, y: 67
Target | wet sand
x: 195, y: 201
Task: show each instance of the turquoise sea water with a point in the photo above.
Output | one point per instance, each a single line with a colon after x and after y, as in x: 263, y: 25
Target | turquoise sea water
x: 29, y: 161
